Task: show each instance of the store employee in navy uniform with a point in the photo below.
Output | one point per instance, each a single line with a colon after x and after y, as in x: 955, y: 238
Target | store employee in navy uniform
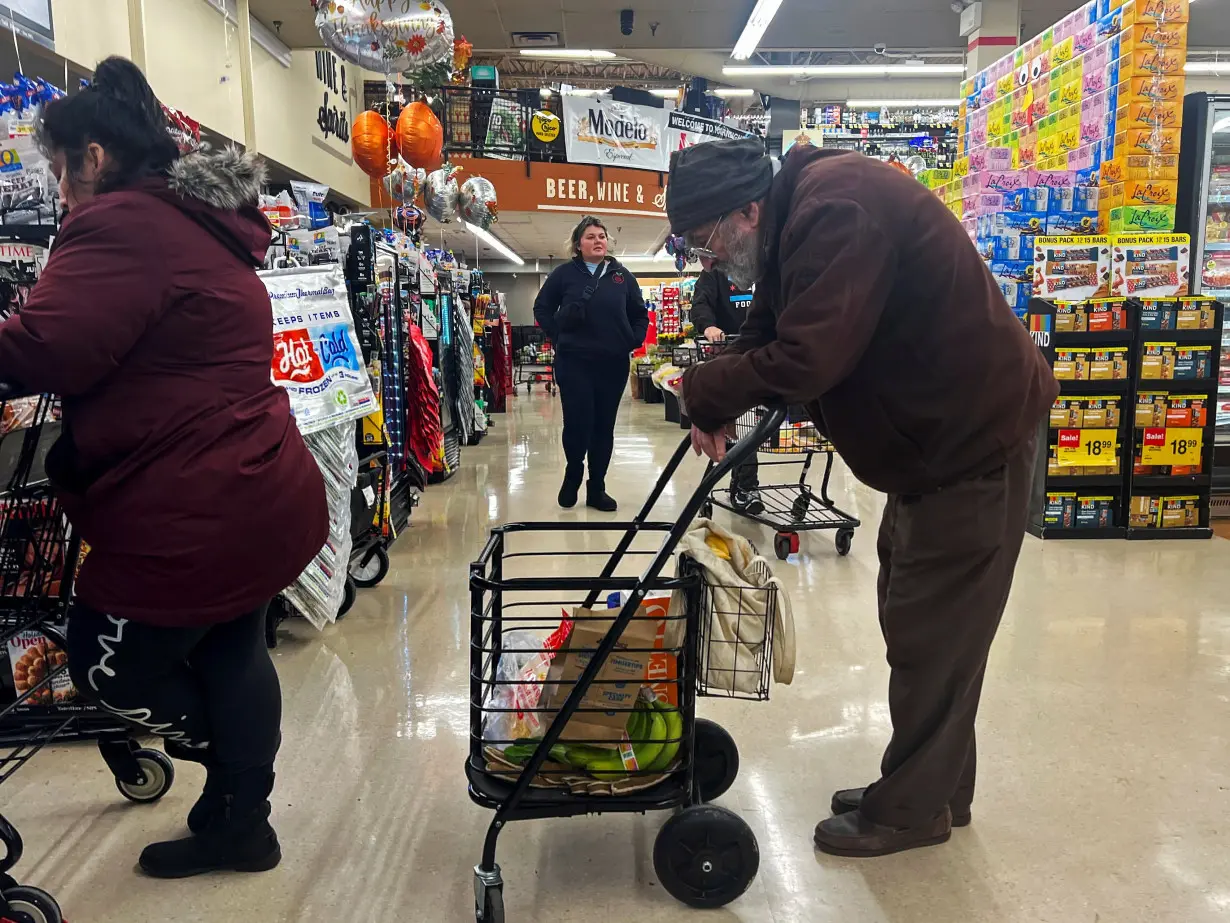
x: 592, y: 310
x: 719, y: 308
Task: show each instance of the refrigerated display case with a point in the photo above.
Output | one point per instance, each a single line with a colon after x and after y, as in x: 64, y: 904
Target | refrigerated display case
x: 1204, y: 212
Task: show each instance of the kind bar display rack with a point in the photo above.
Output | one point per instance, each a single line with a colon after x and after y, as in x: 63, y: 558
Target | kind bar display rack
x: 1080, y: 487
x: 1174, y: 394
x: 1126, y: 451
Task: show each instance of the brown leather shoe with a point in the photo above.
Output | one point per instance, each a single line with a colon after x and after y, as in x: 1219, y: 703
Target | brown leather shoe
x: 851, y: 834
x: 846, y: 800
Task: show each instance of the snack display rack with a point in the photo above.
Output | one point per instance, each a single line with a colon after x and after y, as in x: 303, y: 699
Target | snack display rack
x: 1127, y: 450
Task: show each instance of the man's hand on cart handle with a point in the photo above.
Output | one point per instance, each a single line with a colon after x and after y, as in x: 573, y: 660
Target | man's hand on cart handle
x: 711, y: 444
x: 715, y: 334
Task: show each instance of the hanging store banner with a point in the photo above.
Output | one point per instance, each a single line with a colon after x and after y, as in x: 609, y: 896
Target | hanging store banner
x: 608, y: 133
x: 316, y: 355
x: 684, y: 130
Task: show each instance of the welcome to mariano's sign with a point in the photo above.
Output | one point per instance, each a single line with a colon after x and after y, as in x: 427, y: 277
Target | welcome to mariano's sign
x: 617, y: 134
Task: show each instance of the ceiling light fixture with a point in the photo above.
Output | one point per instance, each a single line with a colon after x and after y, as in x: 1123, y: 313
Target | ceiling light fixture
x: 753, y: 32
x: 726, y: 93
x: 545, y: 92
x: 664, y: 93
x: 584, y: 91
x: 576, y: 53
x: 493, y: 242
x: 1207, y: 67
x: 900, y: 103
x: 845, y: 70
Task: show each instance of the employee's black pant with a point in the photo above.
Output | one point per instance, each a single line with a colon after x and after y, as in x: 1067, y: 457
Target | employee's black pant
x: 590, y: 388
x: 946, y: 563
x: 214, y: 688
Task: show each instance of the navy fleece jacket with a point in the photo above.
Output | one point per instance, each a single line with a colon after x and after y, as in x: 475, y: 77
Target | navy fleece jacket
x: 599, y: 313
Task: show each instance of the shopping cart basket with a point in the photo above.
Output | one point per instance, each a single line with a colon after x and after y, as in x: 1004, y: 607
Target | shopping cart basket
x: 38, y: 558
x: 791, y: 508
x: 535, y: 364
x: 788, y: 508
x: 704, y: 855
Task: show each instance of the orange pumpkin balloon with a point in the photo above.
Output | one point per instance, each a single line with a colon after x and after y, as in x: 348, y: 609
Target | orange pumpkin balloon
x: 420, y: 136
x: 370, y: 144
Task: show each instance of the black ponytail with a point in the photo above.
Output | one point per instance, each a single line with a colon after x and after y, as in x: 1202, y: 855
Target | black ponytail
x: 117, y: 111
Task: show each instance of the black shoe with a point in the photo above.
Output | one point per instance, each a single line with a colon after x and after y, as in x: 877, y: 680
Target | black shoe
x: 212, y: 798
x: 852, y: 834
x: 568, y: 493
x: 850, y: 799
x: 747, y: 501
x: 597, y: 498
x: 237, y: 837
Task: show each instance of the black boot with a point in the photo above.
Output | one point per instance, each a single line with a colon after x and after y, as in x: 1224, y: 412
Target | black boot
x: 571, y: 487
x: 237, y: 837
x: 597, y: 498
x: 212, y: 798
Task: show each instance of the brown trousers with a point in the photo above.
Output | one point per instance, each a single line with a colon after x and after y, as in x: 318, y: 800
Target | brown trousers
x: 946, y: 563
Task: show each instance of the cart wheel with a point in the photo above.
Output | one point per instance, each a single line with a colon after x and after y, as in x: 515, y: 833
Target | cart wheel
x: 799, y: 508
x: 159, y: 774
x: 716, y: 764
x: 844, y: 539
x: 706, y: 510
x: 32, y: 905
x: 371, y: 568
x: 706, y: 856
x: 784, y: 543
x: 348, y: 596
x: 492, y: 910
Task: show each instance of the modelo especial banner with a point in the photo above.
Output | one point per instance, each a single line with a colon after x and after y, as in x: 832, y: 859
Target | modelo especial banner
x: 609, y: 133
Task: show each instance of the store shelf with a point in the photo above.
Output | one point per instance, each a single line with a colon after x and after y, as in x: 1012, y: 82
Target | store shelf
x: 1205, y: 335
x: 1148, y: 534
x: 1151, y: 482
x: 1075, y: 481
x: 1067, y: 338
x: 1077, y: 386
x: 1060, y: 532
x: 1181, y: 385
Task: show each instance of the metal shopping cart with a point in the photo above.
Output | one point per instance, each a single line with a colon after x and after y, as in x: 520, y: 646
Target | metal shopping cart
x: 524, y: 695
x: 789, y: 508
x: 535, y: 364
x: 38, y: 560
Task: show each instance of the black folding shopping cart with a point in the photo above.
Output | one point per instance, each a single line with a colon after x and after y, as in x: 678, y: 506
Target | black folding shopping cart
x: 38, y: 704
x: 792, y: 507
x: 524, y: 694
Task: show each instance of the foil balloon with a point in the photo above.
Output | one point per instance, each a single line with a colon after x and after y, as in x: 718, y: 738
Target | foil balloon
x: 440, y: 194
x: 385, y: 37
x: 408, y: 219
x: 371, y: 143
x: 477, y: 202
x: 399, y: 184
x: 420, y: 136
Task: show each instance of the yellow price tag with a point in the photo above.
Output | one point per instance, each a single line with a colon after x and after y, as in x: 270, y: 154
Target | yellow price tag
x: 1172, y: 445
x: 1078, y: 448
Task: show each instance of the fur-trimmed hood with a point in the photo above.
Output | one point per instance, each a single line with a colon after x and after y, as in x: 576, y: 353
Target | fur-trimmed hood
x: 226, y: 179
x: 219, y: 190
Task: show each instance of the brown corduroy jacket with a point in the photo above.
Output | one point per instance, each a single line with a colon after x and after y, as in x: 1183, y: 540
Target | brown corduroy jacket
x: 878, y: 314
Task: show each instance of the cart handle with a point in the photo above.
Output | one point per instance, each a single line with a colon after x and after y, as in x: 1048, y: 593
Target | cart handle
x: 742, y: 450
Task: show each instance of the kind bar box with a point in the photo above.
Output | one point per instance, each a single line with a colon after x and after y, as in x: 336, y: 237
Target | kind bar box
x: 1094, y: 512
x: 1180, y: 512
x: 1192, y: 362
x: 1071, y: 269
x: 1108, y: 363
x: 1150, y: 409
x: 1158, y: 314
x: 1105, y: 315
x: 31, y: 659
x: 1150, y: 265
x: 1060, y: 510
x: 1100, y: 413
x: 1158, y: 361
x: 1067, y: 414
x: 1143, y: 512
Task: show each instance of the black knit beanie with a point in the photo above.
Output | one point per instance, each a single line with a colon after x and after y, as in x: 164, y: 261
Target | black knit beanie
x: 710, y: 179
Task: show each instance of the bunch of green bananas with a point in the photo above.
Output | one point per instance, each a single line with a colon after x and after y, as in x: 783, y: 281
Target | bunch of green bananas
x: 654, y: 728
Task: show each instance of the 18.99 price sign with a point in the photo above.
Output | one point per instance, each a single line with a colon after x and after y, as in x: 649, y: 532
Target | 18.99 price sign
x: 1173, y: 445
x: 1080, y: 448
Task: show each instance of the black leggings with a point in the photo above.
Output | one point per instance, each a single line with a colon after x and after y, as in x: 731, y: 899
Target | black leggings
x: 213, y: 687
x: 590, y: 388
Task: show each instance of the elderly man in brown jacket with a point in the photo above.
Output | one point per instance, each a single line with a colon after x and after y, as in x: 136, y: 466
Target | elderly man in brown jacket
x: 874, y: 310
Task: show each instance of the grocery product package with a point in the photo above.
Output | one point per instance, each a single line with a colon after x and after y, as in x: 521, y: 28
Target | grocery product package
x: 747, y: 601
x: 31, y: 659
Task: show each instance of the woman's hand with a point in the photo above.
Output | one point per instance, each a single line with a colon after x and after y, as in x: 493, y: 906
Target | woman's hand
x: 711, y: 444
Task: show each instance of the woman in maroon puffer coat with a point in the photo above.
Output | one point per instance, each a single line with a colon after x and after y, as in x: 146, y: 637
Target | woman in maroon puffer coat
x: 179, y: 462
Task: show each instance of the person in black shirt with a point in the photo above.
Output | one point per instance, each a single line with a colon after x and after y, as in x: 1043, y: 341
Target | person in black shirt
x: 592, y: 310
x: 718, y: 310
